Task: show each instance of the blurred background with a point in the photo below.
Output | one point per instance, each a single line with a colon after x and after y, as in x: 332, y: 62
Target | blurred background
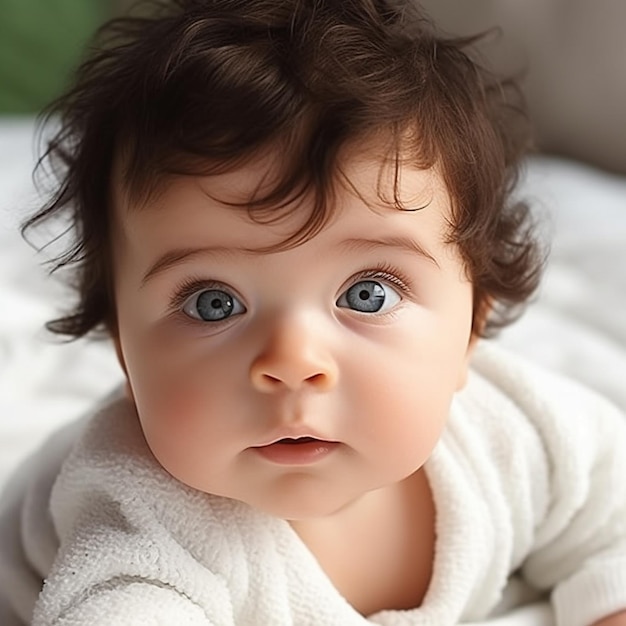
x: 40, y: 43
x: 573, y: 57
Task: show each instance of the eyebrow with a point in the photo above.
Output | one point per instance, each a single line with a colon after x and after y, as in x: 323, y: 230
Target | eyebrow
x: 179, y: 256
x: 402, y: 244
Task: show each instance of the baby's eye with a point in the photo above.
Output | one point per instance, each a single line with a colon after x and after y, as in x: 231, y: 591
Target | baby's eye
x: 212, y: 305
x: 369, y: 296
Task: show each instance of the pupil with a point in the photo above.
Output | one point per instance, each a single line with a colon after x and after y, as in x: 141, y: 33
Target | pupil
x: 364, y: 294
x: 216, y: 303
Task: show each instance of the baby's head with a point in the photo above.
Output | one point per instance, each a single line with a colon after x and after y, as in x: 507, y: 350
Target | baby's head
x: 205, y: 86
x: 292, y: 217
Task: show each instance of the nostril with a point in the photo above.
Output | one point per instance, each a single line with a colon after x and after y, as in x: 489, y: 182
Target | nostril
x: 316, y: 379
x: 270, y: 380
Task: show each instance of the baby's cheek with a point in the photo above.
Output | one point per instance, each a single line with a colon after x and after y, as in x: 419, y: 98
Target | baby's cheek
x: 417, y: 402
x: 171, y: 419
x: 179, y: 404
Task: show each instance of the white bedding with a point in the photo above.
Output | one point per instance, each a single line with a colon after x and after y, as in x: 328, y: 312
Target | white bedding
x: 577, y: 325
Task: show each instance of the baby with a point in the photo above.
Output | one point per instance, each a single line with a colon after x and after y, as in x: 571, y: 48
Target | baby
x: 294, y: 221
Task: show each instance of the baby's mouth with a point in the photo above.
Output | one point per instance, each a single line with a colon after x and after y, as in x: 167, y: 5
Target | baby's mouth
x: 297, y: 450
x: 297, y: 440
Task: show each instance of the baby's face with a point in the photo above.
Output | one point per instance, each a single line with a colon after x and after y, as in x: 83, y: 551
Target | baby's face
x: 298, y: 380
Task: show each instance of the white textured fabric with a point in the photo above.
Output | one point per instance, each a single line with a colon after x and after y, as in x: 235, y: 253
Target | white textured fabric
x: 528, y: 486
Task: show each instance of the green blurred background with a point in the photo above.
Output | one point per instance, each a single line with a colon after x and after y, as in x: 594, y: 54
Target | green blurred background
x: 41, y: 42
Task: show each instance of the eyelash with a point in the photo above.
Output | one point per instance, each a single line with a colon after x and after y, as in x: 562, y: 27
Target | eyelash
x: 193, y: 284
x: 389, y: 274
x: 188, y: 288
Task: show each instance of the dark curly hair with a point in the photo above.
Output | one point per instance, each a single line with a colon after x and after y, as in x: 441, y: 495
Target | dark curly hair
x: 191, y: 85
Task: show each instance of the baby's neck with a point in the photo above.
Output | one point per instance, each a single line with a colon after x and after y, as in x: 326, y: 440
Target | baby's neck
x: 379, y: 551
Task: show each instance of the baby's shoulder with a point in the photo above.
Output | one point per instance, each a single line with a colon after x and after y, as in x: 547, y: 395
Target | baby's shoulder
x: 518, y: 414
x: 515, y: 386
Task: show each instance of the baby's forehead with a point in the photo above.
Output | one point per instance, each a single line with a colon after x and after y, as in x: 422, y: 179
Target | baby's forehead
x: 191, y: 215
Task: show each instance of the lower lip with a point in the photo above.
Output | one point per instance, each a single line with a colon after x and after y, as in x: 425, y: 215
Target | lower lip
x: 297, y: 453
